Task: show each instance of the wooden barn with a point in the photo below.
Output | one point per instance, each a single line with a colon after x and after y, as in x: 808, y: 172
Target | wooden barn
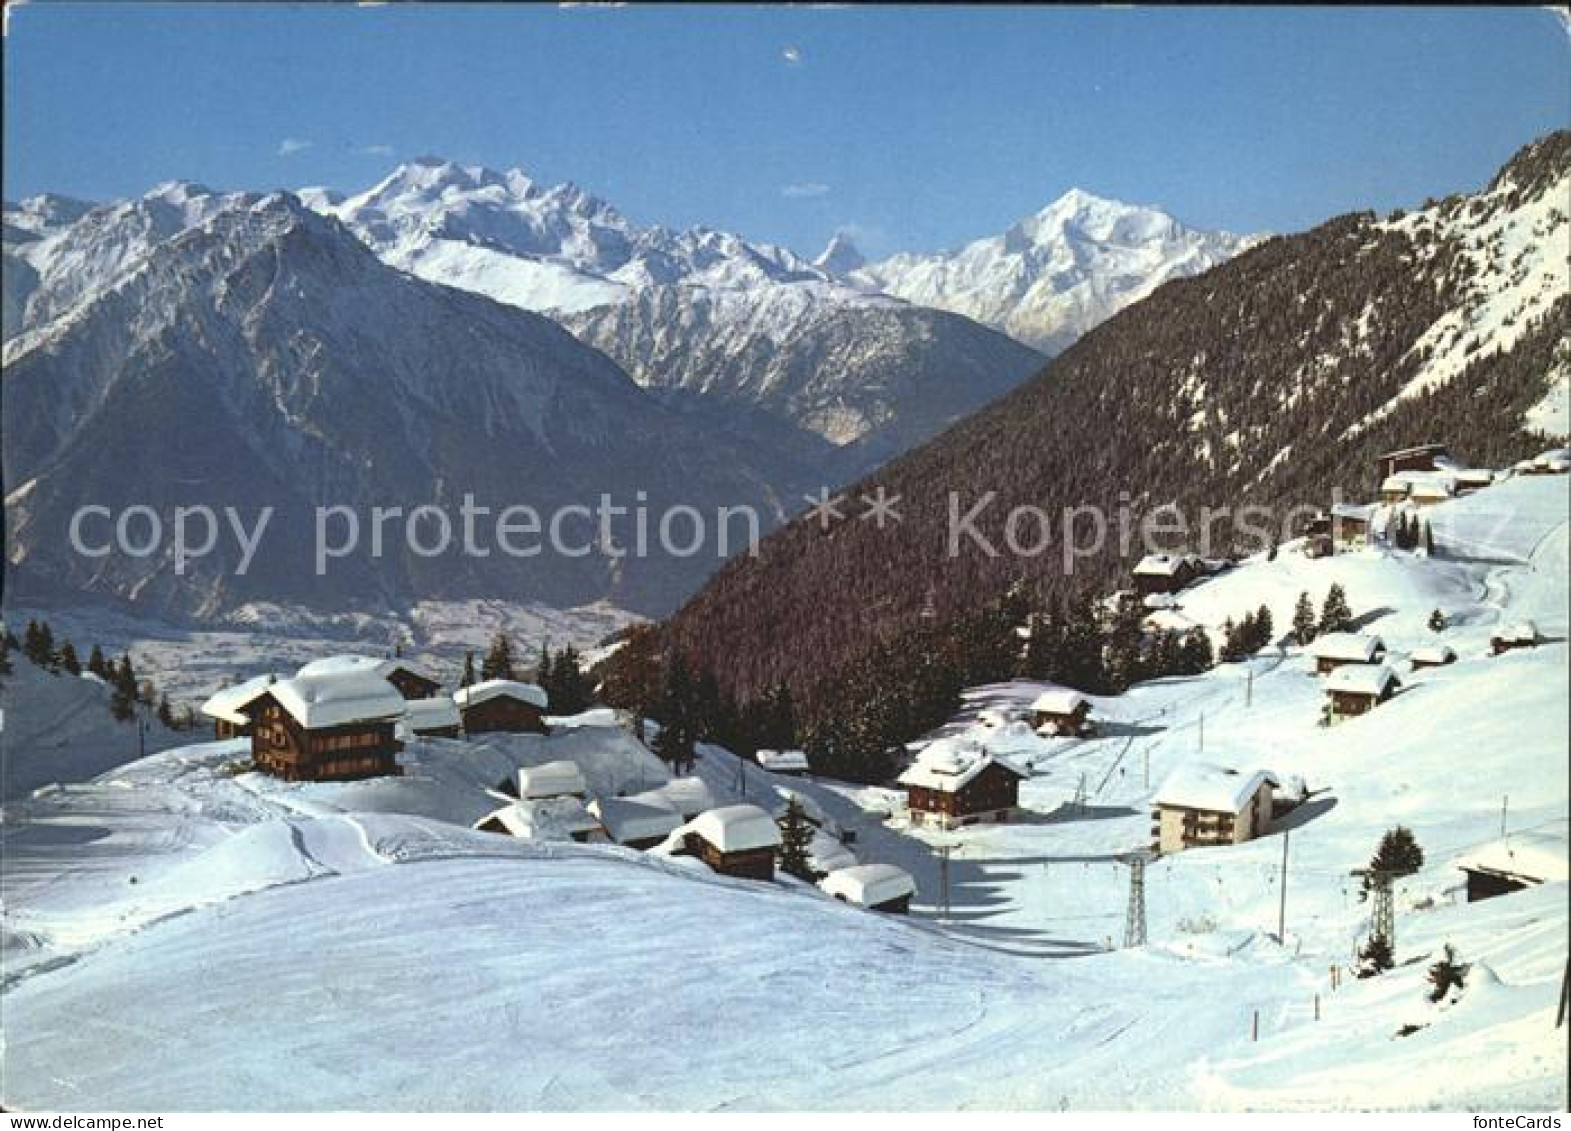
x: 877, y: 887
x: 1062, y: 711
x: 1428, y: 492
x: 1523, y: 634
x: 327, y: 728
x: 501, y: 705
x: 1334, y: 649
x: 1421, y: 458
x: 410, y: 681
x: 1202, y: 805
x: 736, y: 840
x: 1519, y: 861
x: 1357, y: 689
x: 951, y: 785
x: 1166, y: 573
x: 231, y: 708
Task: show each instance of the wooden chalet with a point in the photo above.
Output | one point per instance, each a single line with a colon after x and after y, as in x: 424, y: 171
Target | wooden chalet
x: 792, y: 763
x: 635, y: 824
x: 877, y: 887
x: 735, y: 840
x: 1523, y: 634
x: 501, y: 705
x: 1556, y: 461
x: 1472, y: 479
x: 1317, y: 540
x: 1357, y: 689
x: 335, y: 727
x: 1423, y: 457
x: 1334, y: 649
x: 551, y: 818
x: 231, y: 708
x: 431, y: 718
x: 410, y: 681
x: 1432, y: 656
x: 1350, y: 526
x: 1062, y: 711
x: 1203, y: 805
x: 1166, y: 573
x: 951, y: 785
x: 1519, y: 861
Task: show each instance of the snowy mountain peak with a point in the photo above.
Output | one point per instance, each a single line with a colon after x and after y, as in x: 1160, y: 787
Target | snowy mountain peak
x: 840, y: 257
x: 1054, y: 275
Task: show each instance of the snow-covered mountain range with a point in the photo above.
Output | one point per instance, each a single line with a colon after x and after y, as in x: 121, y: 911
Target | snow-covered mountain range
x: 264, y: 357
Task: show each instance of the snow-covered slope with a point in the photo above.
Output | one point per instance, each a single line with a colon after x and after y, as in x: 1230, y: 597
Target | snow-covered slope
x: 58, y: 727
x: 1055, y: 275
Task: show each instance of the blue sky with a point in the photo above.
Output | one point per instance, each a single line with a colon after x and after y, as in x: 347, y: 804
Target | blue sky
x: 914, y: 128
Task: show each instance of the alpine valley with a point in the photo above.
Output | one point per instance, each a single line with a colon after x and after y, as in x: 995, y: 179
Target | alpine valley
x: 253, y: 341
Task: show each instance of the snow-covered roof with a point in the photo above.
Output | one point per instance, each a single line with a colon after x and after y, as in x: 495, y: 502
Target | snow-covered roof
x: 868, y: 885
x: 543, y: 818
x: 1433, y: 654
x: 317, y: 701
x: 1213, y: 788
x: 1164, y: 565
x: 1433, y: 489
x: 382, y: 666
x: 1537, y: 855
x: 1361, y: 512
x: 627, y: 820
x: 1552, y: 456
x: 687, y: 796
x: 230, y: 703
x: 1060, y: 701
x: 1354, y: 647
x: 1362, y: 679
x: 737, y: 828
x: 1430, y: 448
x: 949, y: 765
x: 785, y: 761
x: 498, y: 689
x: 1522, y: 632
x: 827, y: 853
x: 431, y: 714
x: 1475, y: 475
x: 551, y: 779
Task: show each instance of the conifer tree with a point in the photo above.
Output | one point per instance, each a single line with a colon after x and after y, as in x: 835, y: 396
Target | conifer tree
x: 498, y: 663
x: 67, y: 659
x: 96, y: 663
x: 1196, y: 654
x: 1303, y: 621
x: 1437, y: 621
x: 796, y: 841
x: 675, y: 744
x: 1375, y: 957
x: 467, y: 679
x: 165, y: 713
x: 1263, y: 628
x: 1429, y: 540
x: 5, y: 653
x: 1335, y: 615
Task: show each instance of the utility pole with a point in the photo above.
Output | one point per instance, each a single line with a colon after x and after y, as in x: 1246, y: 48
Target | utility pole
x: 1080, y: 795
x: 1135, y: 914
x: 1505, y: 801
x: 1202, y: 732
x: 741, y: 775
x: 943, y: 877
x: 1146, y: 777
x: 1249, y: 689
x: 1281, y: 909
x: 1565, y: 993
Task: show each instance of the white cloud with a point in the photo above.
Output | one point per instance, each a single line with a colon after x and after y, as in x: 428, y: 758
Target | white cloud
x: 791, y: 53
x: 292, y: 145
x: 804, y: 190
x: 375, y: 150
